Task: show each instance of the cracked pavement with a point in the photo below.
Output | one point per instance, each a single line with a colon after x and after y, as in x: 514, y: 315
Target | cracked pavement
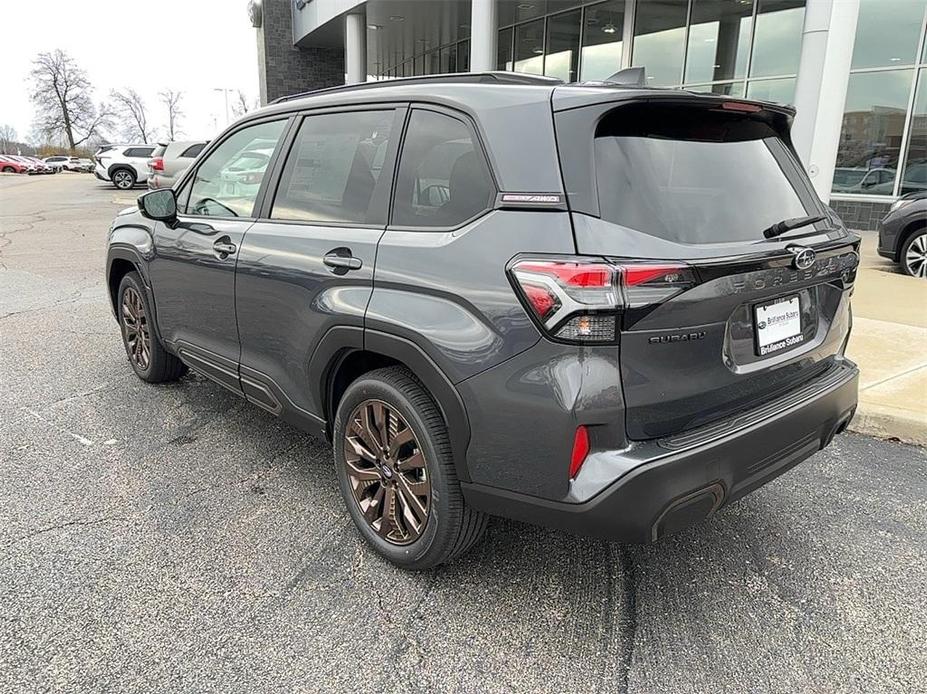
x: 174, y: 538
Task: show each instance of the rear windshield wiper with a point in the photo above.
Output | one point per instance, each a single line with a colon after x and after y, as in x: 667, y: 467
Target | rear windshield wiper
x: 785, y: 225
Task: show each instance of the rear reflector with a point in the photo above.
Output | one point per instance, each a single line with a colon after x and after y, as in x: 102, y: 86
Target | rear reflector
x: 580, y: 450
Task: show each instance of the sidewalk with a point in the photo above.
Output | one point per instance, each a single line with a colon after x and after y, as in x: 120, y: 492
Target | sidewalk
x: 889, y: 343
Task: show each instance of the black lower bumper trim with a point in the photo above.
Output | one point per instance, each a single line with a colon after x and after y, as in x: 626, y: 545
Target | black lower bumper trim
x: 677, y: 488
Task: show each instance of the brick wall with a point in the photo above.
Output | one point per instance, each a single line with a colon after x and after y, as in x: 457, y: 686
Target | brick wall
x: 285, y: 69
x: 860, y: 214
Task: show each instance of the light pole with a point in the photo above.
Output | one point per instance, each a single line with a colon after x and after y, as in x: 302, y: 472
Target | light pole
x: 225, y: 93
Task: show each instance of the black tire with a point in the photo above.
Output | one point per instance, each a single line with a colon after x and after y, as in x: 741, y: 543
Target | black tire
x: 123, y: 178
x: 914, y: 254
x: 451, y: 527
x: 9, y: 169
x: 159, y: 365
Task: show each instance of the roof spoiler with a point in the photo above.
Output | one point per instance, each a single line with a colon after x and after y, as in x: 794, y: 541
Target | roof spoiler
x: 629, y: 77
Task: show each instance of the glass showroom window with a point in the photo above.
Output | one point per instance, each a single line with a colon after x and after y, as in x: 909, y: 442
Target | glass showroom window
x: 659, y: 40
x: 914, y: 176
x: 504, y: 50
x: 719, y: 40
x: 529, y: 47
x: 884, y: 127
x: 777, y: 38
x: 603, y: 28
x: 561, y: 57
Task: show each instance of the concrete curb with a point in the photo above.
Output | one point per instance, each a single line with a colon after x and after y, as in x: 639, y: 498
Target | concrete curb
x: 890, y: 423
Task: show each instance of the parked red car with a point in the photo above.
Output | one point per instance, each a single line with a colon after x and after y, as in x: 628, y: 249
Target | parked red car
x: 10, y: 165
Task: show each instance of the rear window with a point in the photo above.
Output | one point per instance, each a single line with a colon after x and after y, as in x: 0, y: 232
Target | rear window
x: 696, y: 176
x: 159, y: 151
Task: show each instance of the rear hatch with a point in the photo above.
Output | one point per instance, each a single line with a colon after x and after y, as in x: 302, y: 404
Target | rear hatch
x: 716, y: 318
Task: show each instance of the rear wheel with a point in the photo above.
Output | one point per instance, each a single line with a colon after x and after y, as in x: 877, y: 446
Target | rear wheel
x: 396, y: 472
x: 914, y: 254
x: 148, y: 358
x: 123, y: 179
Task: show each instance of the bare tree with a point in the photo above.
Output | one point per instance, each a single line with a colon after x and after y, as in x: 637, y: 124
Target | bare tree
x: 132, y: 110
x: 7, y: 138
x: 241, y: 105
x: 62, y: 95
x: 171, y: 100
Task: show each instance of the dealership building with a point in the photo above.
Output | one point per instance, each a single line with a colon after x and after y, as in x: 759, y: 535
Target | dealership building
x: 856, y: 70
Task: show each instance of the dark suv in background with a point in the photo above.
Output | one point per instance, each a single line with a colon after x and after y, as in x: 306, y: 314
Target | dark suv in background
x: 606, y: 309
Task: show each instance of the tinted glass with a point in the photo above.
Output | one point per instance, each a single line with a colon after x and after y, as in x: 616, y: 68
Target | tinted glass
x: 603, y: 27
x: 719, y: 40
x: 777, y: 42
x: 915, y: 171
x: 138, y: 152
x: 696, y: 192
x: 780, y: 91
x: 562, y: 54
x: 870, y: 138
x: 159, y: 151
x: 226, y: 184
x: 443, y: 179
x: 333, y: 168
x: 887, y: 32
x: 529, y: 47
x: 659, y: 40
x: 193, y: 150
x: 504, y: 50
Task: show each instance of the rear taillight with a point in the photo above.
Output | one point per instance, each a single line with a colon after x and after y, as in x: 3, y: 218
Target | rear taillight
x: 157, y: 164
x: 579, y: 300
x: 573, y: 300
x: 644, y: 284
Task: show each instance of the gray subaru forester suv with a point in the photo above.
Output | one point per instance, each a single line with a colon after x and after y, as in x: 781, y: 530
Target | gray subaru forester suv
x: 602, y: 308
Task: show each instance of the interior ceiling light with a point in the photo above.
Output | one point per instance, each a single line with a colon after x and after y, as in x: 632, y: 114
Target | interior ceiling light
x: 526, y: 6
x: 396, y: 18
x: 609, y: 28
x: 374, y: 27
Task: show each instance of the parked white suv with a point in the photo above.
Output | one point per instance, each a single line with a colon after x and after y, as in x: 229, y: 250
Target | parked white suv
x: 123, y: 165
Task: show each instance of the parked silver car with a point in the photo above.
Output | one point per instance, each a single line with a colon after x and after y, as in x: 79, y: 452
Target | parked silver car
x: 170, y: 160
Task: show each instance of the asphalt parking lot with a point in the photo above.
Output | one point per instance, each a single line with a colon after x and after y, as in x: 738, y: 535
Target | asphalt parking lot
x: 175, y: 538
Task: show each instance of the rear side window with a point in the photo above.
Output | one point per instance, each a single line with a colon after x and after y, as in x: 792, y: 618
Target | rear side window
x: 139, y: 151
x: 193, y: 150
x: 443, y: 179
x: 334, y: 167
x: 695, y: 176
x: 159, y: 151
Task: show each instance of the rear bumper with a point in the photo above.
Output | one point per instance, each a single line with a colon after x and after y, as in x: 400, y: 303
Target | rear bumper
x: 684, y: 480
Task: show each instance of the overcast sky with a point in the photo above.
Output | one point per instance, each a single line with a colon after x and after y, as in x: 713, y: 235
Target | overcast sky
x: 190, y: 45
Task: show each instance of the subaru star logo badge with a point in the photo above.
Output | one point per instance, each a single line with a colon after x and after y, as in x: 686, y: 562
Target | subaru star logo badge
x: 804, y: 257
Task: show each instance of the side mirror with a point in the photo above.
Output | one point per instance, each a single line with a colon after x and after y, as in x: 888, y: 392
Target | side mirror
x: 160, y: 205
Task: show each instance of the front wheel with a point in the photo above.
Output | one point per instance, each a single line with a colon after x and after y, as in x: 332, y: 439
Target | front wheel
x: 9, y: 169
x: 396, y: 472
x: 123, y: 179
x: 914, y: 255
x: 147, y: 356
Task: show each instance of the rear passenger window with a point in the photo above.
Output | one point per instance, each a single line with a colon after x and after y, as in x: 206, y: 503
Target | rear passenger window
x: 443, y: 179
x: 333, y: 168
x: 139, y: 151
x: 193, y: 150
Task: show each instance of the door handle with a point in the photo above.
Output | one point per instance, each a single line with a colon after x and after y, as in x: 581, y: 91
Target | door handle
x: 342, y: 262
x: 224, y: 246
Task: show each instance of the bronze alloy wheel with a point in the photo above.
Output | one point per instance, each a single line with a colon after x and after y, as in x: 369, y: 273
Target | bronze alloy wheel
x: 135, y: 328
x: 387, y: 473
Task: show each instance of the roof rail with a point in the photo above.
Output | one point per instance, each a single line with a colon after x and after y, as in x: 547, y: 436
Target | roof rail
x: 446, y: 78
